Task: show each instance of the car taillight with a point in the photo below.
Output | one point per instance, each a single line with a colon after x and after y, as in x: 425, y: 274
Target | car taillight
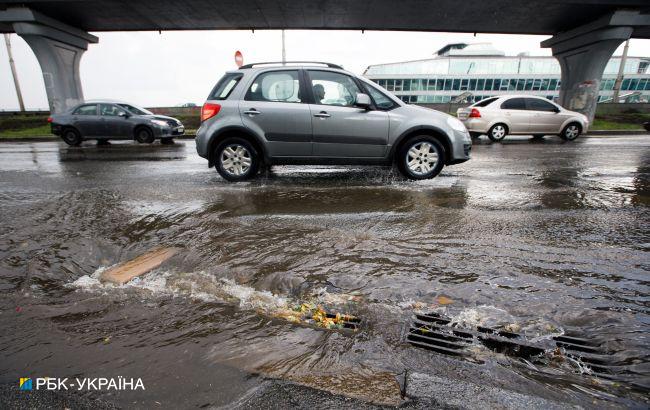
x: 209, y: 110
x: 49, y: 119
x: 475, y: 113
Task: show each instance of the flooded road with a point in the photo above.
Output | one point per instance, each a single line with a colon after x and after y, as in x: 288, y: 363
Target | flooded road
x: 542, y: 238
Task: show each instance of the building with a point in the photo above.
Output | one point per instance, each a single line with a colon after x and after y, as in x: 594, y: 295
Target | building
x: 471, y: 72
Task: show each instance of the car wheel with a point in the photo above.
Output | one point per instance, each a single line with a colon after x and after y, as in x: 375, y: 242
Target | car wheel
x: 167, y: 141
x: 71, y: 137
x: 421, y: 158
x: 498, y: 132
x: 474, y: 135
x: 571, y: 132
x: 144, y: 135
x: 236, y: 159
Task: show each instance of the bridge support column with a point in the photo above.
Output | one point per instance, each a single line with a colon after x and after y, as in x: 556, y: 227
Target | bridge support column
x: 58, y: 48
x: 583, y: 54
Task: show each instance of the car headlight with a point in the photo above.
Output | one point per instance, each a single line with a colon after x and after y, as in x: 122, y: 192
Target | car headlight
x: 456, y: 124
x: 160, y: 123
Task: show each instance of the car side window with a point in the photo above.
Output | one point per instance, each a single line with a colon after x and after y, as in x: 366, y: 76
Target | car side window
x: 331, y: 88
x: 276, y: 86
x: 382, y: 102
x: 514, y: 104
x: 90, y: 109
x: 109, y: 110
x: 535, y: 104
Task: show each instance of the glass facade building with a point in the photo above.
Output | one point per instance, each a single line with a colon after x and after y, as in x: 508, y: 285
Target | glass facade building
x: 478, y: 71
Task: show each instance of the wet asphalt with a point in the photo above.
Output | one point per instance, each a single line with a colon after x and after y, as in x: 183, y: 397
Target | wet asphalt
x: 544, y: 237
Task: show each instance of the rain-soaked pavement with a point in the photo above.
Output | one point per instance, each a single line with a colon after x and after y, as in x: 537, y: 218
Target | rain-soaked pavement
x: 541, y: 238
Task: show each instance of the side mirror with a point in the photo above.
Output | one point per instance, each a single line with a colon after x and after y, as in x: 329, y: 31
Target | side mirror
x: 363, y: 101
x: 556, y: 110
x: 123, y: 114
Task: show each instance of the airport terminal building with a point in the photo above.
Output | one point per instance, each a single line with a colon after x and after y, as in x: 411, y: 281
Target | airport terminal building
x: 471, y: 72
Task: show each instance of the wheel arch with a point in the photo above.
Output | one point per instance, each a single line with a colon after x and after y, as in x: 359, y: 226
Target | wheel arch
x: 234, y: 131
x: 431, y: 131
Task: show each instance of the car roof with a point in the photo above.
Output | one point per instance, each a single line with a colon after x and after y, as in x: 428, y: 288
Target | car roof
x: 259, y: 67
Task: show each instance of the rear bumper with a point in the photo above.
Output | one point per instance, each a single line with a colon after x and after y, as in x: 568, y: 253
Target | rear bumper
x: 476, y: 124
x: 56, y: 129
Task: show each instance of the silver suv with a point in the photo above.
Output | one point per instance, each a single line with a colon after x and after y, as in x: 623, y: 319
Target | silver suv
x: 317, y: 113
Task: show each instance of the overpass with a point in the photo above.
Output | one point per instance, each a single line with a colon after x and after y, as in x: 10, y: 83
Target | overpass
x: 584, y: 33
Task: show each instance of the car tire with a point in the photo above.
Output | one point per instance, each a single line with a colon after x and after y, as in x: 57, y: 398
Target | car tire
x: 166, y: 141
x: 144, y: 135
x: 421, y: 157
x: 497, y: 132
x: 474, y: 135
x: 71, y: 137
x: 236, y: 159
x: 571, y: 131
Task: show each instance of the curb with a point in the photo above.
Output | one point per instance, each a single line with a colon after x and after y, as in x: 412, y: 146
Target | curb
x: 615, y: 132
x: 594, y: 133
x: 53, y: 138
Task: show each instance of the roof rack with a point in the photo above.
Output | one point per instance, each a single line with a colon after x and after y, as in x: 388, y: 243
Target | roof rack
x: 330, y: 65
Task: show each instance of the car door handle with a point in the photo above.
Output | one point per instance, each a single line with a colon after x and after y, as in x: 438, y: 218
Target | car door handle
x: 252, y: 111
x: 322, y: 114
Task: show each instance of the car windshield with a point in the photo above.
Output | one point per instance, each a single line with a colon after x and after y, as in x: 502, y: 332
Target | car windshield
x: 135, y: 110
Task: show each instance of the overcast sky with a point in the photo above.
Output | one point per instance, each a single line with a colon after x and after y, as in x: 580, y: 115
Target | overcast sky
x: 152, y: 69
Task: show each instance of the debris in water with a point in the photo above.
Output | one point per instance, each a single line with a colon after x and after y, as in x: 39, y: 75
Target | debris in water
x: 443, y: 300
x: 126, y: 271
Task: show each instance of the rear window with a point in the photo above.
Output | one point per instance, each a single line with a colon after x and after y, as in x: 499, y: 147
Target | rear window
x: 225, y: 86
x: 514, y: 104
x: 485, y: 102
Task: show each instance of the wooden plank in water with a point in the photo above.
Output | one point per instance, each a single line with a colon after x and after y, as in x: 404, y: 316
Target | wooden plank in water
x: 126, y: 271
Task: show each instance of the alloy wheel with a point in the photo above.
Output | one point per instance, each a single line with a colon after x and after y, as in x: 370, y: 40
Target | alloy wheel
x: 498, y: 132
x: 236, y: 160
x: 421, y: 158
x: 572, y: 132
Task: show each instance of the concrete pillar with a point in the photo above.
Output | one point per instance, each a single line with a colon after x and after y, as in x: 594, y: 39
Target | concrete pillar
x: 583, y: 53
x: 58, y: 48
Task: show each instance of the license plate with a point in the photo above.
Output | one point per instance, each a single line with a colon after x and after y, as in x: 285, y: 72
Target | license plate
x: 180, y: 129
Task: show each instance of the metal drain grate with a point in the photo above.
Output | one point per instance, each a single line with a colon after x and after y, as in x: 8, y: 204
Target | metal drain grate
x: 349, y: 322
x: 435, y: 332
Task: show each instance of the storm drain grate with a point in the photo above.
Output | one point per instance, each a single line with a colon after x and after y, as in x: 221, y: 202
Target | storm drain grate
x: 435, y: 332
x: 348, y: 322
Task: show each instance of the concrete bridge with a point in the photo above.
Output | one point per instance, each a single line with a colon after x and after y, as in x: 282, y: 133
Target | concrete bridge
x: 584, y: 33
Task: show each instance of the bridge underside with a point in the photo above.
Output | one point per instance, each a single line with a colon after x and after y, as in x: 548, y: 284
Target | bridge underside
x: 482, y: 16
x: 585, y: 32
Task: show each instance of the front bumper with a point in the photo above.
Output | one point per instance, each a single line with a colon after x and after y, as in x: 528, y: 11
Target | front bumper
x: 169, y: 131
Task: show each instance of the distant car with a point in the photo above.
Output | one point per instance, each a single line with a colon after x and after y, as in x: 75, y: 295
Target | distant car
x: 317, y: 113
x: 521, y: 114
x: 188, y: 105
x: 104, y: 120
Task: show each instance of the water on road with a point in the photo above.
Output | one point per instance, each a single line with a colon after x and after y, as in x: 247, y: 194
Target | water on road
x: 543, y: 237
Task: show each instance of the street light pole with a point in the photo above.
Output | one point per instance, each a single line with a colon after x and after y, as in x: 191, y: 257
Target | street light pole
x: 284, y: 53
x: 619, y: 77
x: 13, y: 73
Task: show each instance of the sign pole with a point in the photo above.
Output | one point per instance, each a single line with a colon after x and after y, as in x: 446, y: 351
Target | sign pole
x: 21, y: 104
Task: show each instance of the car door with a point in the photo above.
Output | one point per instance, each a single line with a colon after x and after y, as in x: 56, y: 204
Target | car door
x: 341, y: 129
x: 544, y: 116
x: 514, y: 110
x: 274, y: 107
x: 86, y: 120
x: 113, y: 124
